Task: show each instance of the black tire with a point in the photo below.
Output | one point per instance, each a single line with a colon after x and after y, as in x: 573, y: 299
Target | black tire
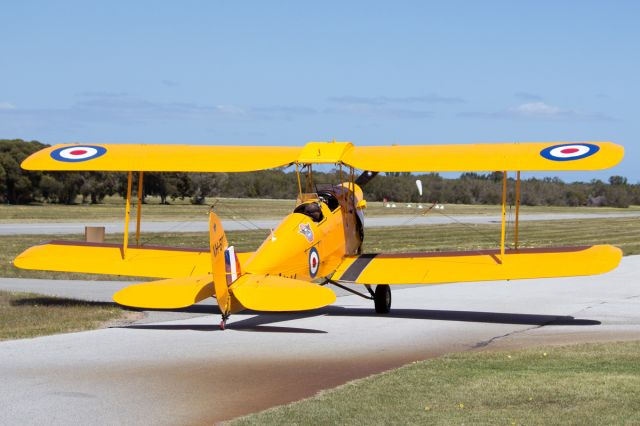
x: 382, y: 299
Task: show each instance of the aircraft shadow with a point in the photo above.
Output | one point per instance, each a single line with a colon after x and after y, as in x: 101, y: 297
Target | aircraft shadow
x: 463, y: 316
x: 233, y: 326
x: 263, y: 320
x: 58, y: 301
x: 193, y: 309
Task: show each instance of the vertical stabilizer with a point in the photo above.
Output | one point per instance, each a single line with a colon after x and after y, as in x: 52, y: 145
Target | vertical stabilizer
x: 217, y: 246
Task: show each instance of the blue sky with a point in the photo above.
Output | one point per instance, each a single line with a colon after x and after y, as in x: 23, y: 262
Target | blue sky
x: 284, y: 73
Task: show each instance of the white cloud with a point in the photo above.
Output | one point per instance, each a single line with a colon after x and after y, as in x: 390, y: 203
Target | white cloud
x: 540, y: 110
x: 526, y: 96
x: 431, y: 98
x: 378, y: 111
x: 6, y: 106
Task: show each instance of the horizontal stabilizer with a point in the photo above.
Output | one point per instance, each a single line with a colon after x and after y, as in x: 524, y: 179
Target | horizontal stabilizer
x: 166, y: 294
x: 272, y: 293
x: 103, y: 258
x: 481, y: 265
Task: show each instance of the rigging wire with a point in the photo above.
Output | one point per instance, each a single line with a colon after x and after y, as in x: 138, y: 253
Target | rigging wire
x: 484, y: 235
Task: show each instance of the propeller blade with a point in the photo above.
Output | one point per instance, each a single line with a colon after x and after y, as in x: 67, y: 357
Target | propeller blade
x: 365, y: 177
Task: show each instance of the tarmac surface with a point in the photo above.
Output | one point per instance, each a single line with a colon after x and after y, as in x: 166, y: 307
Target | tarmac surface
x: 180, y: 369
x: 61, y: 228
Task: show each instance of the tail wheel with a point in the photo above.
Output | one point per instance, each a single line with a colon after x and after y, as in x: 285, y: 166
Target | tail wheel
x: 382, y: 299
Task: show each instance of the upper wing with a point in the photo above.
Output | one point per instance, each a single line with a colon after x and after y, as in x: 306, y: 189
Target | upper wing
x: 530, y: 156
x: 482, y: 265
x: 160, y: 158
x: 94, y: 258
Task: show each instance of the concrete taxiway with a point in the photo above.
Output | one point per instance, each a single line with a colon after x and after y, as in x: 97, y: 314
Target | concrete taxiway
x: 185, y: 371
x: 62, y: 228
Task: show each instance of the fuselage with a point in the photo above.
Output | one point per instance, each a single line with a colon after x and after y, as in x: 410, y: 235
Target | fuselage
x: 311, y: 242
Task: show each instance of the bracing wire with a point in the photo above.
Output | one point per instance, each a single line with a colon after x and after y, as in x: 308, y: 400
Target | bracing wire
x: 484, y: 235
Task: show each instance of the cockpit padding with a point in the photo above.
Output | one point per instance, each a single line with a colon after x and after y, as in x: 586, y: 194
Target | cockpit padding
x: 311, y: 209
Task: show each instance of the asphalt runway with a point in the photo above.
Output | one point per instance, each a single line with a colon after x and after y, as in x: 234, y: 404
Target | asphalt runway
x: 181, y: 370
x: 61, y: 228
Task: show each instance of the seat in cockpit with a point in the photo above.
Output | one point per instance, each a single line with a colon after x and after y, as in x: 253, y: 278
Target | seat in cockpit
x: 330, y: 198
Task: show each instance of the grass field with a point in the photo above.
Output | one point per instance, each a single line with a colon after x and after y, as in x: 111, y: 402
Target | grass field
x: 30, y: 315
x: 622, y: 232
x: 589, y: 384
x: 237, y: 208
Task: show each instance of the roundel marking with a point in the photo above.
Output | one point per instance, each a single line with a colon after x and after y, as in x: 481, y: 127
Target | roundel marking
x: 314, y: 262
x: 74, y: 154
x: 569, y: 152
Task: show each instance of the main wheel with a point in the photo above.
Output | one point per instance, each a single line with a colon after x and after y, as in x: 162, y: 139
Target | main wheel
x: 382, y: 299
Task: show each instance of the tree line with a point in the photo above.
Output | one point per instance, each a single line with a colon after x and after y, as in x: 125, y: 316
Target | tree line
x: 19, y: 186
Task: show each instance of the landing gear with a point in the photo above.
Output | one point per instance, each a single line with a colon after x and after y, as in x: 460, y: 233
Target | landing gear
x: 382, y: 299
x: 381, y: 296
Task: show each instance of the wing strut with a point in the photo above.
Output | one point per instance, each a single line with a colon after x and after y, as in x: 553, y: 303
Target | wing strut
x: 504, y: 214
x: 139, y: 209
x: 515, y: 242
x: 127, y: 213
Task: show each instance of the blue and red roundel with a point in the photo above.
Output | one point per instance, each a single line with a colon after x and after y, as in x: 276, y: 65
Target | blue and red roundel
x: 314, y: 262
x: 77, y: 153
x: 570, y: 151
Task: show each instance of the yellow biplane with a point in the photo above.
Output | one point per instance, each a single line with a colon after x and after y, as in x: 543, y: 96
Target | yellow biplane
x: 320, y: 242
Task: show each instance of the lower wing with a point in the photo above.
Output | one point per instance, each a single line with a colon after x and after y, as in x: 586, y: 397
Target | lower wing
x: 482, y: 265
x: 101, y: 258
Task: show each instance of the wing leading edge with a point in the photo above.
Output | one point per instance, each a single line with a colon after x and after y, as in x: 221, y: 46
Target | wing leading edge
x: 483, y: 265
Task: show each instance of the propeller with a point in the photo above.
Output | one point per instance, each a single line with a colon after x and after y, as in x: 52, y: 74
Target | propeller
x: 365, y: 177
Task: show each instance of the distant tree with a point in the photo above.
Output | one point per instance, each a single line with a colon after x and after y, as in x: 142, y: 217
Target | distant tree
x: 19, y: 186
x: 617, y: 180
x: 97, y: 185
x: 51, y: 189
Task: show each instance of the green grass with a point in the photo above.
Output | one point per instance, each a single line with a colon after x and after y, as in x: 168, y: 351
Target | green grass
x: 237, y: 208
x: 622, y: 232
x: 29, y: 315
x: 113, y: 210
x: 588, y: 384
